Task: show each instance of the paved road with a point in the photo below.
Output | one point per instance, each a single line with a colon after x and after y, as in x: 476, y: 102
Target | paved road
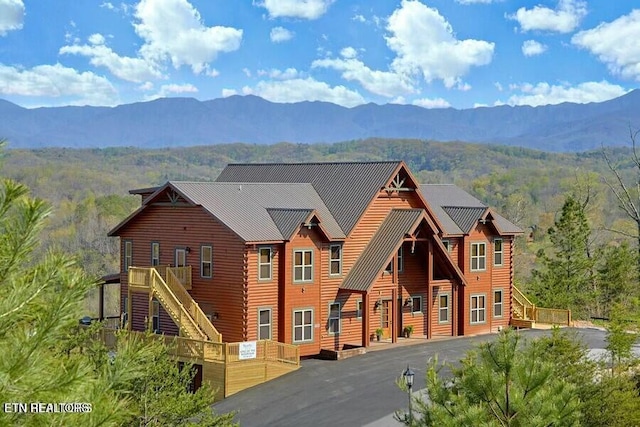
x: 357, y: 391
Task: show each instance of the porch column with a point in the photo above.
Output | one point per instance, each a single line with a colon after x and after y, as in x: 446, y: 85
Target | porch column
x: 429, y: 308
x: 365, y: 319
x: 128, y: 308
x: 394, y: 315
x: 454, y: 309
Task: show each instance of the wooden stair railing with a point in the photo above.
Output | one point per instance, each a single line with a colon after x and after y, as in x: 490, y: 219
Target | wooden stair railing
x: 522, y: 308
x: 192, y: 307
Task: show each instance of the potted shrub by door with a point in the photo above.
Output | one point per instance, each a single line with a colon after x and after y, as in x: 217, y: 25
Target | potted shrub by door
x: 408, y: 330
x: 379, y: 333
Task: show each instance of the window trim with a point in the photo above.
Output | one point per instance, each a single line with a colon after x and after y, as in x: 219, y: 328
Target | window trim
x: 332, y: 260
x: 175, y: 256
x: 261, y: 264
x: 389, y: 268
x: 478, y: 257
x: 478, y: 309
x: 127, y: 257
x: 302, y: 266
x: 270, y: 324
x: 293, y: 325
x: 155, y: 261
x: 446, y: 309
x: 496, y: 252
x: 496, y: 303
x: 203, y: 261
x: 447, y: 244
x: 359, y: 308
x: 339, y: 318
x: 419, y: 297
x: 155, y: 316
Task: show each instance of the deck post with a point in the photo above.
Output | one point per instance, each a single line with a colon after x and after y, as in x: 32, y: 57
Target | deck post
x: 365, y: 320
x: 394, y: 315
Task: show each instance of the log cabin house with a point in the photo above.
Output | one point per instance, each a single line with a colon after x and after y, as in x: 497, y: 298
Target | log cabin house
x: 320, y: 255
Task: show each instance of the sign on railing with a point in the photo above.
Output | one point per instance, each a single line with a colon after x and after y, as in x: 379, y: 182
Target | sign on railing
x: 247, y: 350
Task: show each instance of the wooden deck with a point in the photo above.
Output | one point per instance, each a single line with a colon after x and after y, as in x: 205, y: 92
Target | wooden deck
x: 526, y: 315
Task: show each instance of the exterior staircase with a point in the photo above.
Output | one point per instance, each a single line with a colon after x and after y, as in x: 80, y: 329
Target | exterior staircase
x: 174, y: 298
x: 525, y: 314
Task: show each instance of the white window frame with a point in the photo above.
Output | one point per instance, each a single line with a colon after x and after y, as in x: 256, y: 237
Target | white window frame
x: 332, y: 320
x: 413, y: 299
x: 498, y: 305
x: 155, y: 254
x: 265, y: 264
x: 125, y: 311
x: 498, y: 253
x: 155, y: 316
x: 479, y: 260
x: 479, y: 312
x: 400, y: 255
x: 303, y: 268
x: 206, y: 261
x: 447, y: 244
x: 333, y: 260
x: 178, y: 252
x: 359, y: 307
x: 444, y: 309
x: 303, y: 326
x: 262, y: 325
x: 128, y: 255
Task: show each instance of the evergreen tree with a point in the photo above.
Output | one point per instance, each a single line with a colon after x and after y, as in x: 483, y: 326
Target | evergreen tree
x: 566, y: 279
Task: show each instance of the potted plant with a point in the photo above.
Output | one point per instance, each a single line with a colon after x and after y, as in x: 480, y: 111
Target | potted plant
x: 408, y: 330
x: 379, y: 333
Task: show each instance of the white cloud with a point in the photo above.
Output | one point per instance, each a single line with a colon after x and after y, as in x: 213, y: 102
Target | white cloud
x: 274, y: 73
x: 306, y: 9
x: 477, y: 1
x: 172, y: 89
x: 545, y: 94
x: 348, y: 52
x: 280, y: 34
x: 532, y: 48
x: 298, y: 90
x: 564, y: 19
x: 359, y: 18
x: 228, y: 92
x: 616, y: 44
x: 436, y: 53
x: 126, y: 68
x: 383, y: 83
x: 173, y: 29
x: 146, y: 86
x: 57, y: 81
x: 431, y: 103
x: 11, y: 15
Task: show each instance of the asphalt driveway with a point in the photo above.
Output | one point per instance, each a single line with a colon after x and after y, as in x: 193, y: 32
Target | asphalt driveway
x: 353, y: 392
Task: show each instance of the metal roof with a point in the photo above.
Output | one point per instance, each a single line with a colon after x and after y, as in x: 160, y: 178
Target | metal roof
x: 288, y: 220
x: 464, y: 217
x: 461, y: 206
x: 244, y: 207
x: 382, y: 246
x: 346, y: 188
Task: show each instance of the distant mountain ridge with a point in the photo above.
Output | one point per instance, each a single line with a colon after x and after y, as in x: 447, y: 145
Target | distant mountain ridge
x: 171, y: 122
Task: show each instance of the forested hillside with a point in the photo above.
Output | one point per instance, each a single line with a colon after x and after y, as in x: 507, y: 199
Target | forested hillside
x: 89, y: 188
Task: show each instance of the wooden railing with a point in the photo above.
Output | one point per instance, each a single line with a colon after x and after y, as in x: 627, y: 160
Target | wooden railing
x: 267, y: 350
x: 192, y: 307
x: 524, y: 309
x: 553, y: 316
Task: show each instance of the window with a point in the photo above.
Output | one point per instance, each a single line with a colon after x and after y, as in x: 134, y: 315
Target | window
x: 447, y: 245
x: 359, y: 309
x: 497, y: 303
x: 128, y: 254
x: 416, y: 304
x: 498, y: 252
x: 206, y: 261
x: 125, y: 311
x: 264, y: 264
x: 334, y: 318
x: 155, y: 254
x: 264, y: 324
x: 335, y: 260
x: 477, y: 309
x: 303, y: 266
x: 389, y: 268
x: 155, y: 316
x: 302, y: 325
x: 181, y: 257
x: 443, y: 308
x: 478, y: 256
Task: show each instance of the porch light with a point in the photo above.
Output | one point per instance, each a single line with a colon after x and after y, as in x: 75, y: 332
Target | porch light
x: 187, y: 250
x: 377, y: 305
x: 407, y: 302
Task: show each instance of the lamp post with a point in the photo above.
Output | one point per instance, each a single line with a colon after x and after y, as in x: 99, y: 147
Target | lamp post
x: 408, y: 375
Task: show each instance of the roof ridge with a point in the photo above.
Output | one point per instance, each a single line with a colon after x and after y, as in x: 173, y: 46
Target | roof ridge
x: 315, y: 163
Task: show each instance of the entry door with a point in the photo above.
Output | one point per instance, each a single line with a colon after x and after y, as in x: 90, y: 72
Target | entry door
x: 386, y: 318
x: 181, y: 258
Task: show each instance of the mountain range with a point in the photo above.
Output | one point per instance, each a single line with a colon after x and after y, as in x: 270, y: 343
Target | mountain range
x: 174, y: 122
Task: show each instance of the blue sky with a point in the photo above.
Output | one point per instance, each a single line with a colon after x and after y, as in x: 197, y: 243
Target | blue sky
x: 432, y: 53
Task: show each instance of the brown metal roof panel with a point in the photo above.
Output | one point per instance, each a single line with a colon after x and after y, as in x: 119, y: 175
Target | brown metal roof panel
x: 382, y: 246
x: 288, y: 220
x: 346, y: 188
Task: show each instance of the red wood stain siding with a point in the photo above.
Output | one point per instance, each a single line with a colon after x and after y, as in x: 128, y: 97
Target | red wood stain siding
x: 413, y: 281
x: 180, y: 227
x: 445, y: 328
x: 262, y: 294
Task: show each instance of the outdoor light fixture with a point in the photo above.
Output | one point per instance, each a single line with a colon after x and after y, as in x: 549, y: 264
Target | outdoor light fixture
x: 187, y: 250
x: 377, y: 305
x: 407, y: 302
x: 408, y: 375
